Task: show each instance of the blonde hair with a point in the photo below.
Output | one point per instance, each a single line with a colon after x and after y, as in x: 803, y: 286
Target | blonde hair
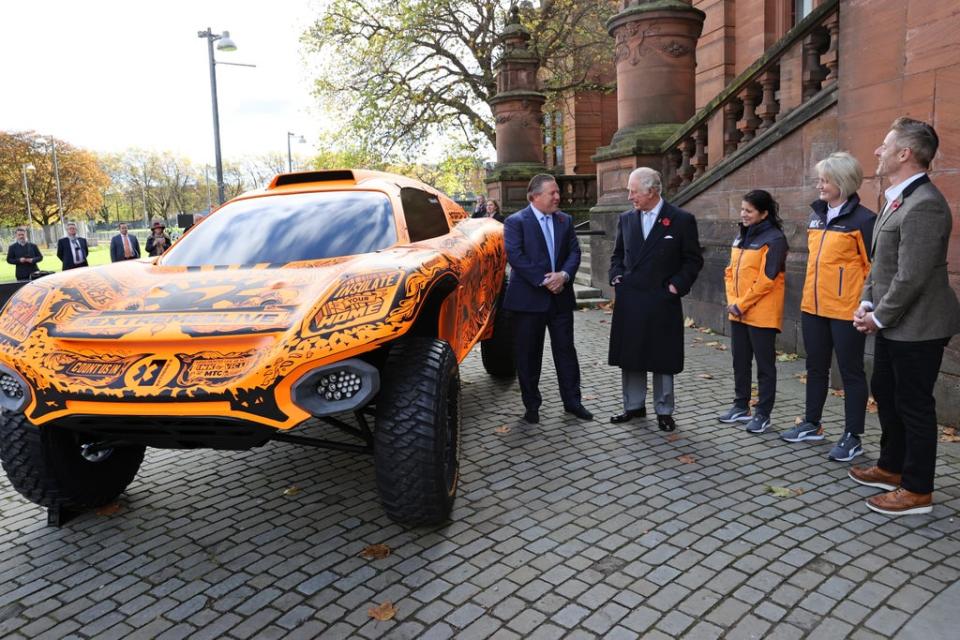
x: 843, y: 170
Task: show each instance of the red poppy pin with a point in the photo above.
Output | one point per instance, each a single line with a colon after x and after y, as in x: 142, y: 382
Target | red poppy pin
x: 665, y: 222
x: 896, y: 204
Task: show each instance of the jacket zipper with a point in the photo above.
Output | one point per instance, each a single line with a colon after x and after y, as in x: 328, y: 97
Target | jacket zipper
x: 840, y: 287
x: 736, y: 275
x: 816, y: 273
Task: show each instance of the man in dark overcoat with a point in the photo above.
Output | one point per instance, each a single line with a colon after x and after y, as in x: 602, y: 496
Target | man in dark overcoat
x: 25, y: 255
x: 655, y: 262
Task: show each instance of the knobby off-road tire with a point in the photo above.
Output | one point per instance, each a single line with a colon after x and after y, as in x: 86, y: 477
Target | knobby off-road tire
x: 497, y: 351
x: 44, y: 464
x: 417, y: 437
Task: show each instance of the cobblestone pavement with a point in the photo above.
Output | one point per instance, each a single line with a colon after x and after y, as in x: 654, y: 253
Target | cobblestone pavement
x: 564, y: 529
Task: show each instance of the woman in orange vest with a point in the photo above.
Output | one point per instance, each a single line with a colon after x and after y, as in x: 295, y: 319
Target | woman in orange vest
x: 755, y: 289
x: 838, y: 234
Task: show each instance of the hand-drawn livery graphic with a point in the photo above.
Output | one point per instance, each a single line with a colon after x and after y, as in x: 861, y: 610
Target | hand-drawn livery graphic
x: 325, y: 293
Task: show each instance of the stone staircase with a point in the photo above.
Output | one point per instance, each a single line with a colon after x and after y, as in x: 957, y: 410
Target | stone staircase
x: 588, y: 296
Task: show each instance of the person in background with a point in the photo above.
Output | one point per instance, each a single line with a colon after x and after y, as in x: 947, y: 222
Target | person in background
x: 480, y: 209
x: 755, y: 290
x: 124, y: 245
x: 908, y: 302
x: 159, y: 241
x: 838, y: 234
x: 493, y: 210
x: 544, y: 255
x: 24, y: 254
x: 72, y: 249
x: 655, y: 261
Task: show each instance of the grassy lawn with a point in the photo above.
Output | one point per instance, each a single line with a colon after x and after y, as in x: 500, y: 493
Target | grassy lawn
x: 98, y: 255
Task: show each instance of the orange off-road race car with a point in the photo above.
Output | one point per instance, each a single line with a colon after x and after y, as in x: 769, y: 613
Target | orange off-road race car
x: 324, y: 295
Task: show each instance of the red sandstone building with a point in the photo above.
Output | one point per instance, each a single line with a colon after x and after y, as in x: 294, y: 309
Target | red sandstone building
x: 724, y: 96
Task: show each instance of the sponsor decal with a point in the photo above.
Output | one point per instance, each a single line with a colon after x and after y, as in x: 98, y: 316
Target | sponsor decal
x: 118, y: 323
x: 212, y: 367
x: 151, y: 372
x: 21, y: 313
x: 92, y: 370
x: 357, y: 299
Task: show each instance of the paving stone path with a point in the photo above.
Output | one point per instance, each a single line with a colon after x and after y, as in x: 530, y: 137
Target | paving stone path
x: 566, y: 529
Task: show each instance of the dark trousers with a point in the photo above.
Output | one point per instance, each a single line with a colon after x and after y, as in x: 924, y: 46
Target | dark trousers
x: 904, y: 374
x: 75, y: 266
x: 528, y: 336
x: 821, y: 337
x: 749, y: 343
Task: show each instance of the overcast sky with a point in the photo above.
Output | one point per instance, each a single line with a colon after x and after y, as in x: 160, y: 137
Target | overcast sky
x: 110, y: 74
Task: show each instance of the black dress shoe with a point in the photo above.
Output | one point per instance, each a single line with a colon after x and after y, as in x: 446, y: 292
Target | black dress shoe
x: 666, y: 423
x: 629, y: 415
x: 532, y: 416
x: 580, y: 411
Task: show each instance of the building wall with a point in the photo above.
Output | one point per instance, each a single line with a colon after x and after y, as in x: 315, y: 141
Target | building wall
x: 590, y: 122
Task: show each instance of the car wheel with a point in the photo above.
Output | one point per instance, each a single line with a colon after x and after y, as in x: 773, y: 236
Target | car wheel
x: 58, y: 468
x: 496, y: 352
x: 417, y: 436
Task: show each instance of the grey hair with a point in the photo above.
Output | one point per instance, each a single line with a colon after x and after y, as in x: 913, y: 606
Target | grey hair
x: 843, y: 170
x: 537, y: 183
x: 647, y: 178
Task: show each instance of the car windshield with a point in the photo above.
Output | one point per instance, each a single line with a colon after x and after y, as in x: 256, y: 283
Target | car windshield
x: 286, y: 228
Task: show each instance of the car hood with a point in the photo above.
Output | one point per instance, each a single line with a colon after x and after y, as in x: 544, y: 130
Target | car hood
x: 144, y: 301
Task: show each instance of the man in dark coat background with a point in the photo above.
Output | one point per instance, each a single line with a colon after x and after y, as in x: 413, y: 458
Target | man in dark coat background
x: 655, y: 262
x: 72, y: 249
x: 540, y: 294
x: 25, y: 255
x: 124, y: 245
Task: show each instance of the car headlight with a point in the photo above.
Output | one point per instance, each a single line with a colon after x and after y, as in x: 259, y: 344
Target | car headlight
x: 335, y: 388
x: 14, y: 390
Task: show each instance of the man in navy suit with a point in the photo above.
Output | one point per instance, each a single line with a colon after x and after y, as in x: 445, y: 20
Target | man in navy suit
x: 655, y: 261
x: 72, y: 249
x: 124, y: 246
x: 544, y: 255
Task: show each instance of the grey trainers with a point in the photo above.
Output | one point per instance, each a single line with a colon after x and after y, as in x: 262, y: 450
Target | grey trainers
x: 734, y: 414
x: 846, y: 449
x: 803, y: 431
x: 758, y: 424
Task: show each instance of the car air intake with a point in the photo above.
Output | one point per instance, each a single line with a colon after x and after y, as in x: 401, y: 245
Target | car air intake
x: 285, y: 179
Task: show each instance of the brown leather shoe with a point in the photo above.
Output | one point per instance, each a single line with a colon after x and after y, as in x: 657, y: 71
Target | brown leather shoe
x: 901, y: 502
x: 875, y: 477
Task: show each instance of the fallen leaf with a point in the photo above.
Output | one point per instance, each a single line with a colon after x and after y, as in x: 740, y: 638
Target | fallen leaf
x: 787, y: 357
x: 754, y: 402
x: 503, y: 429
x: 706, y: 376
x: 697, y: 339
x: 686, y: 459
x: 802, y: 377
x: 688, y: 322
x: 949, y: 434
x: 673, y: 437
x: 721, y: 347
x: 589, y: 397
x: 605, y: 306
x: 713, y: 343
x: 109, y: 509
x: 291, y: 491
x: 706, y: 330
x: 375, y: 552
x: 784, y: 492
x: 838, y: 392
x: 382, y: 612
x: 798, y: 420
x: 871, y: 405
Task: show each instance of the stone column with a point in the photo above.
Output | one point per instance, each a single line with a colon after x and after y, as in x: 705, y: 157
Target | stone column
x: 655, y: 45
x: 517, y: 110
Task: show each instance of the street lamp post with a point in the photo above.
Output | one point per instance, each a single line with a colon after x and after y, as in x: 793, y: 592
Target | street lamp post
x: 56, y: 173
x: 301, y: 140
x: 224, y: 43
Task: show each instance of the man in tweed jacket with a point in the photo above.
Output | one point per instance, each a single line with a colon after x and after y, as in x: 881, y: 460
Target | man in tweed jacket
x: 907, y: 301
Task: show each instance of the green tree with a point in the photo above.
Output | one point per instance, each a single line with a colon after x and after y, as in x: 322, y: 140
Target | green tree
x: 399, y: 72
